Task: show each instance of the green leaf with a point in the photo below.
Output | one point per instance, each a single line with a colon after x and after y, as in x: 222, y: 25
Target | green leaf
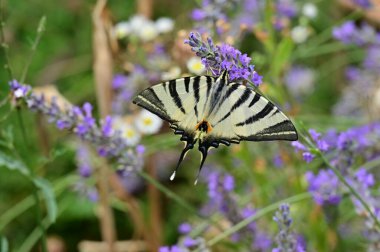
x: 4, y: 246
x: 6, y: 136
x: 48, y: 194
x: 282, y: 55
x: 13, y: 164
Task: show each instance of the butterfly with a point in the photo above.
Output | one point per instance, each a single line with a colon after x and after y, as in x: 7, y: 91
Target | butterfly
x: 214, y: 111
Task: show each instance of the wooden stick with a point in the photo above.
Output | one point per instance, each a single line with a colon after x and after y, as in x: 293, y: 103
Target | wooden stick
x: 155, y: 209
x: 103, y: 76
x: 144, y: 7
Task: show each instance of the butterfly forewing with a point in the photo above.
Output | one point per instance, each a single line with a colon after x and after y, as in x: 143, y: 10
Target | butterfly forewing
x: 181, y: 102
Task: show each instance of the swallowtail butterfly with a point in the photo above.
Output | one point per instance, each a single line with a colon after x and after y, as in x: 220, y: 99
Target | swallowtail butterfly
x: 213, y: 111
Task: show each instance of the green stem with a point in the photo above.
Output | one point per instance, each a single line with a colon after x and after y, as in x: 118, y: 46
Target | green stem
x: 326, y: 34
x: 177, y: 199
x: 12, y: 213
x: 350, y: 188
x: 22, y: 126
x: 371, y: 164
x: 342, y: 179
x: 41, y: 223
x: 320, y: 50
x: 169, y: 193
x: 40, y: 31
x: 35, y: 190
x: 36, y: 234
x: 4, y: 246
x: 255, y: 217
x: 4, y: 45
x: 15, y: 211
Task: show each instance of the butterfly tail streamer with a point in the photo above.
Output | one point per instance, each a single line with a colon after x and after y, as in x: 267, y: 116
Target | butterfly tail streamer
x: 203, y: 150
x: 189, y: 145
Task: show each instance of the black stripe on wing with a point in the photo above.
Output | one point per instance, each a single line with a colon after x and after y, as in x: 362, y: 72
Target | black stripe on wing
x: 209, y: 81
x: 196, y: 94
x: 174, y: 94
x: 149, y: 100
x: 284, y: 130
x: 247, y: 93
x: 262, y: 114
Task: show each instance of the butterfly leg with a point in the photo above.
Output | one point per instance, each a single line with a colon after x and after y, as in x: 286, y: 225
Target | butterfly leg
x: 189, y: 145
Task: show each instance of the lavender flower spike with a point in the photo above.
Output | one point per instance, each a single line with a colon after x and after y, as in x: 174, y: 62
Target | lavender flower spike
x: 107, y: 141
x: 224, y: 57
x: 285, y: 239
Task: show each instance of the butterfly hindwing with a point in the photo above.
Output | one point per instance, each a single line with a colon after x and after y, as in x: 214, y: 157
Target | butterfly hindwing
x: 246, y: 115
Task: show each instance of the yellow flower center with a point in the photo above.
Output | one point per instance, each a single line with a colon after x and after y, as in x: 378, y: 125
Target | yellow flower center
x: 147, y: 121
x: 198, y: 66
x: 130, y: 133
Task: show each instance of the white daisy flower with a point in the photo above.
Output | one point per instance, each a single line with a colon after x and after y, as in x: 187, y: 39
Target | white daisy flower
x: 122, y: 29
x: 137, y: 22
x: 148, y: 31
x: 131, y: 135
x: 195, y: 65
x: 310, y: 10
x: 164, y: 25
x: 148, y: 123
x: 128, y: 131
x: 299, y: 34
x: 173, y: 73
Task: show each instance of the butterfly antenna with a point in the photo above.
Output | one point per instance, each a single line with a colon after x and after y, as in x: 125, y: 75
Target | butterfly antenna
x: 203, y: 151
x: 189, y: 145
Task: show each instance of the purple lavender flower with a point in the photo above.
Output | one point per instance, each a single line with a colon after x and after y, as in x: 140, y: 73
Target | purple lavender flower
x: 285, y: 239
x: 164, y: 249
x: 364, y: 178
x: 107, y: 129
x: 229, y: 183
x: 18, y: 90
x: 84, y: 163
x: 286, y: 8
x: 262, y: 242
x: 125, y: 87
x: 324, y: 187
x: 87, y: 120
x: 300, y: 81
x: 88, y: 191
x: 372, y: 60
x: 278, y: 161
x: 362, y: 181
x: 80, y: 120
x: 308, y: 156
x: 119, y: 80
x: 140, y: 149
x: 249, y: 16
x: 349, y: 33
x: 184, y: 228
x: 298, y: 146
x: 366, y: 4
x: 198, y: 14
x: 345, y: 32
x: 352, y: 73
x: 224, y: 57
x: 322, y: 145
x: 211, y: 11
x: 189, y: 242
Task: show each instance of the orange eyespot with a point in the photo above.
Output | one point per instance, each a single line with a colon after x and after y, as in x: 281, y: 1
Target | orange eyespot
x: 204, y: 126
